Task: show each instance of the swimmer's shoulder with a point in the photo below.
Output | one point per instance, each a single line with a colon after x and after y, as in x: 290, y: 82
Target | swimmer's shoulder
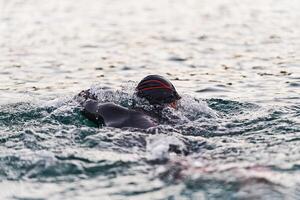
x: 118, y: 116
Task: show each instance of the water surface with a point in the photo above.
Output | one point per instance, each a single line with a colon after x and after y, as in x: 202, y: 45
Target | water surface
x: 235, y: 135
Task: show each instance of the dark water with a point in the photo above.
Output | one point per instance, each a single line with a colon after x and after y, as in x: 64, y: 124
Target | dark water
x: 236, y: 134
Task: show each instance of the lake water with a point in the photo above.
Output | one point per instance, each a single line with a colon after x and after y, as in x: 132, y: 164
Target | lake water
x: 236, y: 134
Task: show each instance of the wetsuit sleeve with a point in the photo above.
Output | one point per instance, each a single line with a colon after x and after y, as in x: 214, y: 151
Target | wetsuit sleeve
x: 90, y: 111
x: 113, y: 115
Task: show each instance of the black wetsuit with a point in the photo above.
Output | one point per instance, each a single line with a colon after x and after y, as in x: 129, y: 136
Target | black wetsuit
x: 112, y: 115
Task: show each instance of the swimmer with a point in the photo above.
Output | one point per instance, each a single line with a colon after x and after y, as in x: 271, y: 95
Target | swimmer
x: 157, y: 90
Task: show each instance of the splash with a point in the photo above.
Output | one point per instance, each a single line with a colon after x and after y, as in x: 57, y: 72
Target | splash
x: 197, y: 148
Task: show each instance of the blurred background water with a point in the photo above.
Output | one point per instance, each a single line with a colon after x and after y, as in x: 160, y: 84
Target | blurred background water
x: 236, y: 63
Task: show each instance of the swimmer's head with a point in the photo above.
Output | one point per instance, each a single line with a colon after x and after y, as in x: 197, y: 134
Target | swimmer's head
x: 157, y: 90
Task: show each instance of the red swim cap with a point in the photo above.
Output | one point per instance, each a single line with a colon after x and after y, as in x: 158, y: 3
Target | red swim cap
x: 157, y: 90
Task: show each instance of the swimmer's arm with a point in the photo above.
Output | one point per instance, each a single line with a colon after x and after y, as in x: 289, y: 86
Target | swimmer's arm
x: 108, y: 114
x: 90, y: 111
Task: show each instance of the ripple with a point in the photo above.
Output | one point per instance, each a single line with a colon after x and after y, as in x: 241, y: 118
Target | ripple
x: 295, y: 84
x: 212, y: 89
x: 178, y: 59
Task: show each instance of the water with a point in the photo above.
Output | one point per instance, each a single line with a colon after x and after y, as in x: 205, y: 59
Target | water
x: 236, y: 132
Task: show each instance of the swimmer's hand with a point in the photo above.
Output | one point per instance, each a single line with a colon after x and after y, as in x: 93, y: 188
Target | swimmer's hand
x: 84, y: 95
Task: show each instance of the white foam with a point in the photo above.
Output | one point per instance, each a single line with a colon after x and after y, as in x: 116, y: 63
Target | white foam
x: 192, y: 107
x: 158, y: 146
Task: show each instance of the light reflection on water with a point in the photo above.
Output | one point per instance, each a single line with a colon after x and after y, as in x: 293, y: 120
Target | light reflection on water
x: 241, y: 58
